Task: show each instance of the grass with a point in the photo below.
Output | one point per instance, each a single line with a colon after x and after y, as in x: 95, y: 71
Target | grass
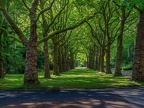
x: 76, y: 78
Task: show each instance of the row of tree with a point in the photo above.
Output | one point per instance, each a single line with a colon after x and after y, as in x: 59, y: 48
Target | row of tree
x: 36, y: 23
x: 116, y: 18
x: 47, y: 27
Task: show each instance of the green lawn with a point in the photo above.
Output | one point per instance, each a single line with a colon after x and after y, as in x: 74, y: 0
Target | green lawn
x: 77, y: 78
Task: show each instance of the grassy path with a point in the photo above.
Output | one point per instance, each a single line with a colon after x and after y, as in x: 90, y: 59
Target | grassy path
x: 76, y: 78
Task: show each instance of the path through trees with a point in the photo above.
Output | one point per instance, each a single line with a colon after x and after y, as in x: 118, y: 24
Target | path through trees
x: 62, y: 34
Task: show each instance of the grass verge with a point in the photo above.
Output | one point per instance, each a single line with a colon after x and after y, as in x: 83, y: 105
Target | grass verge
x: 73, y: 79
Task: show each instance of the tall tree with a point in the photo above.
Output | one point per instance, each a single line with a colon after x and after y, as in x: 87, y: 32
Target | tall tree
x: 124, y: 14
x: 138, y: 64
x: 1, y: 50
x: 45, y: 27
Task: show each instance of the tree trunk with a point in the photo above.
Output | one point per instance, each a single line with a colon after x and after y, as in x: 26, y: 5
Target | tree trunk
x: 31, y: 74
x: 46, y: 51
x: 91, y: 59
x: 92, y: 62
x: 65, y: 61
x: 60, y: 60
x: 108, y: 68
x: 72, y: 62
x: 1, y: 58
x: 46, y: 61
x: 87, y: 61
x: 138, y: 63
x: 118, y: 57
x: 98, y: 64
x: 120, y: 46
x: 1, y: 66
x: 98, y: 59
x: 55, y: 60
x: 102, y: 60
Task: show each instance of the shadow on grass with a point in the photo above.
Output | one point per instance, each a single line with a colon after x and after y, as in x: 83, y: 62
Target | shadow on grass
x: 76, y: 78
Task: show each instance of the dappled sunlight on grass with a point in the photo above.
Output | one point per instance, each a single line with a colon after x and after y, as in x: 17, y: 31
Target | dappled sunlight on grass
x: 11, y: 81
x: 76, y: 78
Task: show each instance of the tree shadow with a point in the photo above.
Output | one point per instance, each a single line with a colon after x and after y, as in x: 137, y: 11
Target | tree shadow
x: 57, y: 98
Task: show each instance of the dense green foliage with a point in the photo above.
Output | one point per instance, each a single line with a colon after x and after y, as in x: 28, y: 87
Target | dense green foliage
x: 14, y: 56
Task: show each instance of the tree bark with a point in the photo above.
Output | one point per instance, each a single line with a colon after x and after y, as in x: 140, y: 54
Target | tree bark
x: 102, y: 60
x: 31, y: 74
x: 65, y: 62
x: 118, y: 57
x: 97, y: 63
x: 108, y: 68
x: 72, y: 62
x: 46, y: 60
x: 55, y: 60
x: 91, y: 61
x: 60, y: 60
x: 138, y: 63
x: 98, y: 59
x: 88, y: 62
x: 1, y: 58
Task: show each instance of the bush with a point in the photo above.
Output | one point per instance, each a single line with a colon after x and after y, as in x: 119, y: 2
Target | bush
x: 14, y: 62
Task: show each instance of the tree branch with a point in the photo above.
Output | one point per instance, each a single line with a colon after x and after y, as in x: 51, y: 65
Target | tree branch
x: 16, y: 39
x: 4, y: 30
x: 116, y: 3
x: 25, y: 5
x: 65, y: 40
x: 50, y: 35
x: 44, y: 10
x: 138, y: 9
x: 56, y: 16
x: 94, y: 34
x: 16, y: 29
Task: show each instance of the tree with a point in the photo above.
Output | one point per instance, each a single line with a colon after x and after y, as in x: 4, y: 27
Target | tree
x: 1, y: 49
x: 138, y: 63
x: 45, y: 46
x: 124, y: 14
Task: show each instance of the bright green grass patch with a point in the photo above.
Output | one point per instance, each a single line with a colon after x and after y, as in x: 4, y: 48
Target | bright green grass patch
x: 76, y: 78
